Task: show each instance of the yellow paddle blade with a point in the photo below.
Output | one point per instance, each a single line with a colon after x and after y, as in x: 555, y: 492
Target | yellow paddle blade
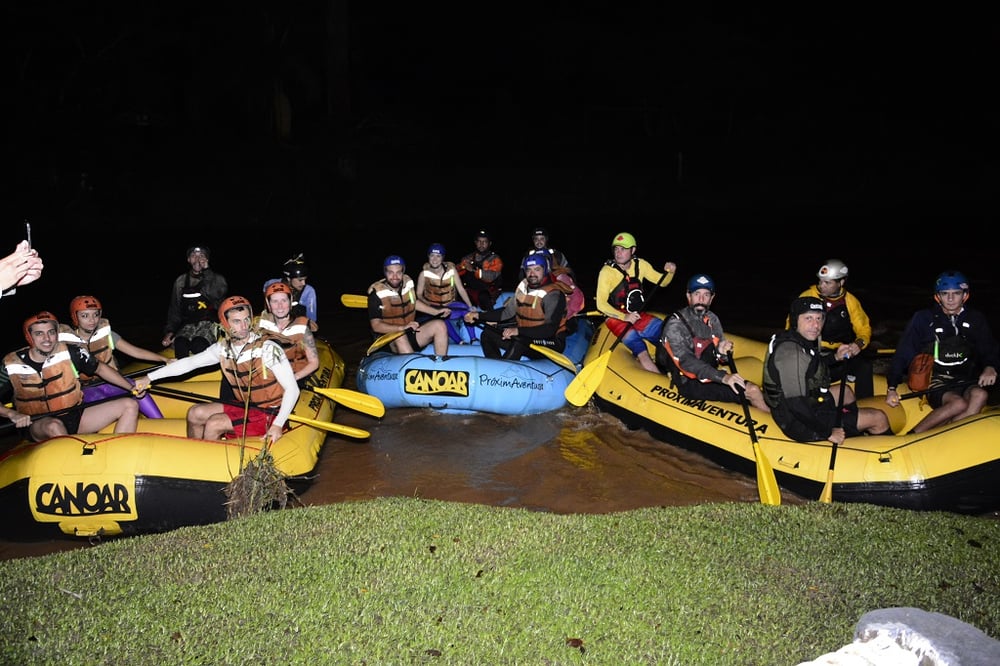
x: 354, y: 300
x: 827, y: 495
x: 357, y: 433
x: 580, y: 390
x: 767, y: 484
x: 555, y: 357
x: 384, y: 340
x: 359, y: 402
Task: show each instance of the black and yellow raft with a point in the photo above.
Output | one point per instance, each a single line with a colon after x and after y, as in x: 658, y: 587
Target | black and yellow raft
x: 953, y: 467
x: 155, y: 479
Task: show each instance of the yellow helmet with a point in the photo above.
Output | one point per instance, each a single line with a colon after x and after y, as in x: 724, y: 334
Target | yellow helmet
x: 623, y: 240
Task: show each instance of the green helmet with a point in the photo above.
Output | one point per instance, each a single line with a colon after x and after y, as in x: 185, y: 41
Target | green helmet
x: 623, y: 240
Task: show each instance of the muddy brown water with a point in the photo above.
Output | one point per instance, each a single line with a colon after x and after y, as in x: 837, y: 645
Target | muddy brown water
x: 566, y: 461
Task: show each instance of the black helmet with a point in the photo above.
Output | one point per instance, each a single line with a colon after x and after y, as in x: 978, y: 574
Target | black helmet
x: 296, y: 267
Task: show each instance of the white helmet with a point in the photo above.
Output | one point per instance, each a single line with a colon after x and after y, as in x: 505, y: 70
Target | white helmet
x: 833, y: 269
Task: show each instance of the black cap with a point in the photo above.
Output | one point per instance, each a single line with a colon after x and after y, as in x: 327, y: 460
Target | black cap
x: 804, y: 304
x: 482, y: 233
x: 540, y: 231
x: 198, y: 248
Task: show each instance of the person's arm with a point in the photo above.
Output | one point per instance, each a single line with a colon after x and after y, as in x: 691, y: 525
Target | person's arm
x: 649, y: 274
x: 460, y: 289
x: 492, y: 269
x: 808, y: 420
x: 278, y: 363
x: 182, y: 366
x: 554, y: 309
x: 312, y: 356
x: 308, y: 299
x: 859, y: 321
x: 681, y: 348
x: 607, y: 279
x: 113, y: 377
x: 22, y: 266
x: 174, y: 316
x: 132, y: 350
x: 216, y: 288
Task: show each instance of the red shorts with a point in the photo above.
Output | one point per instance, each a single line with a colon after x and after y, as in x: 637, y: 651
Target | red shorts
x: 256, y: 423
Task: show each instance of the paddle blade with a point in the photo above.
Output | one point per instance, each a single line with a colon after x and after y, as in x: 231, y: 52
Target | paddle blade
x: 354, y: 300
x: 827, y: 495
x: 347, y: 431
x: 767, y: 483
x: 555, y: 357
x: 384, y: 340
x: 359, y: 402
x: 580, y: 390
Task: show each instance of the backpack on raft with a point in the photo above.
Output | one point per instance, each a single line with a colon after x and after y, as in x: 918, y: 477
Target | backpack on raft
x: 921, y: 367
x: 574, y: 297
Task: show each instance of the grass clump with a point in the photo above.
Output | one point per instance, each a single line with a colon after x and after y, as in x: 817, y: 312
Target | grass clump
x: 402, y: 581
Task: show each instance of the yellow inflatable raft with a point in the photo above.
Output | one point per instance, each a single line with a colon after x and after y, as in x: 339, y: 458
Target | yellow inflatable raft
x: 953, y: 467
x: 156, y: 479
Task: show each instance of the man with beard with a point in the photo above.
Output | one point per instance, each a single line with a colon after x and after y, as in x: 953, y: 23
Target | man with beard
x: 537, y: 310
x: 393, y: 307
x: 194, y: 299
x: 694, y: 346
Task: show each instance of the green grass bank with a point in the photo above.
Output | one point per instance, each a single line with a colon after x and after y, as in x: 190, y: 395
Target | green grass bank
x: 410, y: 581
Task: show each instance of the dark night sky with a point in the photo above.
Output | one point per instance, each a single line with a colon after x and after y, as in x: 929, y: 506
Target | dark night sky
x: 851, y: 125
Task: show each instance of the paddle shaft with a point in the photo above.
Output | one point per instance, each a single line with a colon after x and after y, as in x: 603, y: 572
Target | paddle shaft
x: 83, y: 405
x: 551, y: 354
x: 767, y: 482
x: 198, y: 397
x: 580, y: 390
x: 827, y: 493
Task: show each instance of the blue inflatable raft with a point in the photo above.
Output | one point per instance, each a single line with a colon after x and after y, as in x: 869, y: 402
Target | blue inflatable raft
x: 465, y: 381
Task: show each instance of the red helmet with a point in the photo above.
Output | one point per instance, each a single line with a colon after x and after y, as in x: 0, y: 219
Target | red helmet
x: 82, y: 303
x: 44, y: 315
x: 277, y: 288
x: 230, y: 303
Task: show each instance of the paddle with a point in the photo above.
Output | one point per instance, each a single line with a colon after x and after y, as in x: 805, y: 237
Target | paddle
x: 551, y: 354
x: 767, y: 483
x: 582, y: 387
x: 383, y: 340
x: 827, y: 494
x: 9, y: 425
x: 952, y: 386
x: 354, y: 300
x: 323, y: 425
x: 361, y: 402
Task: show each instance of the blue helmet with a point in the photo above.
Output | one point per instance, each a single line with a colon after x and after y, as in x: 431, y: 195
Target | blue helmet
x: 437, y: 248
x: 951, y: 280
x: 394, y: 260
x: 701, y: 281
x: 537, y: 258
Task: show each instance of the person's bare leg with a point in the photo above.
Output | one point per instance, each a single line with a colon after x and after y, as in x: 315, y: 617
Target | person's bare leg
x: 217, y: 425
x: 976, y: 399
x: 873, y: 421
x: 646, y: 361
x: 124, y: 413
x: 197, y: 417
x: 952, y: 406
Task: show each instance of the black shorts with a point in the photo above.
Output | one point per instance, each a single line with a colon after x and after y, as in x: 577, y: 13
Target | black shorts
x: 70, y: 420
x: 849, y: 420
x: 696, y: 390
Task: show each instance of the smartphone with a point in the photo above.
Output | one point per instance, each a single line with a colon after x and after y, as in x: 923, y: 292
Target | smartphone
x: 27, y: 232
